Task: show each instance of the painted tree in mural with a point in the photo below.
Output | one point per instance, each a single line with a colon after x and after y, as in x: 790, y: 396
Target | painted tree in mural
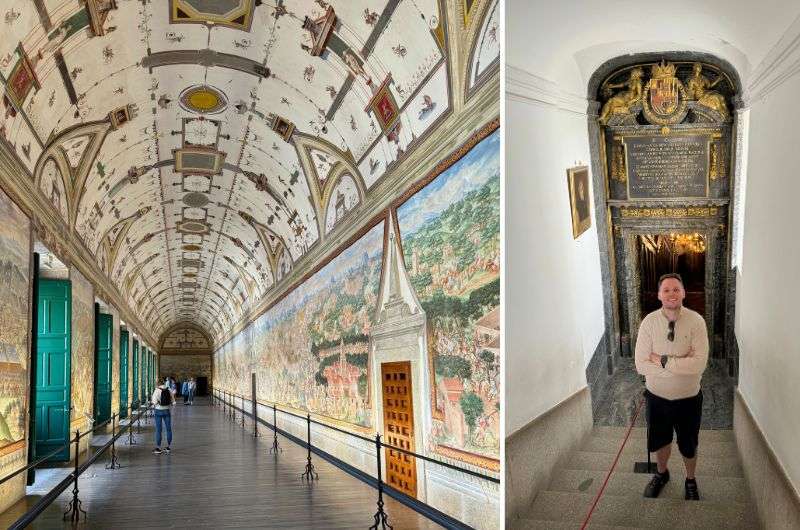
x: 451, y: 246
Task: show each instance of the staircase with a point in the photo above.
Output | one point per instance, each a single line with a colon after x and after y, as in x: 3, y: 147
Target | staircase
x: 724, y: 498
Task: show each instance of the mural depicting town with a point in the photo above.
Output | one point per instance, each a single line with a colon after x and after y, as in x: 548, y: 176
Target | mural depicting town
x: 14, y: 263
x: 451, y: 243
x: 311, y: 350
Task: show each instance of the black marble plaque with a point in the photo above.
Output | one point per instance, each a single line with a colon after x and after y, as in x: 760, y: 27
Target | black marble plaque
x: 663, y: 167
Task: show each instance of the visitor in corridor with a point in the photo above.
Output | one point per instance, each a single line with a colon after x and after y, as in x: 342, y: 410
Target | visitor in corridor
x: 192, y: 389
x: 172, y: 387
x: 672, y: 353
x: 162, y: 400
x: 185, y: 391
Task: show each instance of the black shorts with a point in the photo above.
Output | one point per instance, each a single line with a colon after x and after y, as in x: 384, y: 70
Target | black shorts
x: 679, y: 415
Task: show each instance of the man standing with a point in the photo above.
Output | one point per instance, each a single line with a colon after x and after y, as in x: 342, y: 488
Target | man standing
x: 162, y: 400
x: 672, y: 353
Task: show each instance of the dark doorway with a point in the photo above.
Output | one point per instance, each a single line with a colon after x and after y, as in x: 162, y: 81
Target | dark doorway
x: 202, y: 386
x: 674, y: 252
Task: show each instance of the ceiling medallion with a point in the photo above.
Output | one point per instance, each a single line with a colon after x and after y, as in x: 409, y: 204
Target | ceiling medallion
x: 195, y: 199
x: 192, y: 248
x: 203, y: 99
x: 192, y: 227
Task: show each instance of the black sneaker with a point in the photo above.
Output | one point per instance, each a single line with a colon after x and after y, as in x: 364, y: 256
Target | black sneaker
x: 157, y: 451
x: 691, y: 490
x: 167, y: 450
x: 656, y: 484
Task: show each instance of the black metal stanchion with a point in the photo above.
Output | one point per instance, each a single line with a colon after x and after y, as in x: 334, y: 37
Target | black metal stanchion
x: 131, y: 439
x: 242, y: 412
x: 139, y: 421
x: 256, y: 434
x: 309, y: 473
x: 381, y: 518
x: 232, y: 408
x: 224, y: 405
x: 275, y: 447
x: 114, y: 464
x: 648, y: 467
x: 74, y: 509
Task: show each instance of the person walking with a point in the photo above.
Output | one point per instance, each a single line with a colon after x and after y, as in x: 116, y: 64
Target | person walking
x: 672, y: 354
x: 173, y: 388
x: 192, y: 389
x: 162, y: 400
x: 185, y: 391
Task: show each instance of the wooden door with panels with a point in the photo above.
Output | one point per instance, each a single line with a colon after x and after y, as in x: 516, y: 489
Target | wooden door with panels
x: 398, y: 426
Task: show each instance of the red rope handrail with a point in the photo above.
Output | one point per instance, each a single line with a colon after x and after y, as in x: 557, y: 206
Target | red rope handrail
x: 613, y: 465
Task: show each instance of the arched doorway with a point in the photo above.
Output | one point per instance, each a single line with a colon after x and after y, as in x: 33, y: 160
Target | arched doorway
x: 663, y: 133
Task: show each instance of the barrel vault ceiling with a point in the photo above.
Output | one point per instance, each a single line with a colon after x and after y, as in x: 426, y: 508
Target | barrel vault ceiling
x: 198, y: 149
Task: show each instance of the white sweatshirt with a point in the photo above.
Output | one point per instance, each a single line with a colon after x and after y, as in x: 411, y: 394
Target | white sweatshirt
x: 688, y: 354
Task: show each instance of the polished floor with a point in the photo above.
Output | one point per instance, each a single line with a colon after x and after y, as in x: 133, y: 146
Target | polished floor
x: 217, y: 476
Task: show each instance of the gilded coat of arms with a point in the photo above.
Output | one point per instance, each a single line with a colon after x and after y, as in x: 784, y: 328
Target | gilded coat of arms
x: 664, y: 96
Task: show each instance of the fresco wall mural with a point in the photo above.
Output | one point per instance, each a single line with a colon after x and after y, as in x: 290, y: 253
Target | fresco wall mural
x: 183, y: 367
x: 14, y: 275
x: 450, y: 233
x: 82, y: 363
x: 311, y: 350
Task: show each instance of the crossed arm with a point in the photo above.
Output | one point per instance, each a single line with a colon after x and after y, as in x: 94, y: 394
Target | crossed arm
x: 648, y: 362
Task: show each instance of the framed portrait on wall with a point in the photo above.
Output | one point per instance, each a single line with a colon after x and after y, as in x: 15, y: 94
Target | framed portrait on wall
x: 579, y: 199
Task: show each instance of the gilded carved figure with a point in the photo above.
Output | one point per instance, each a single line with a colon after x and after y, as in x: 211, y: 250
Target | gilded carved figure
x: 623, y: 102
x: 698, y: 88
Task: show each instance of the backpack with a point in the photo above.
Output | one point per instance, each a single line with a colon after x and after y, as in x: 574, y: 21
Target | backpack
x: 165, y: 399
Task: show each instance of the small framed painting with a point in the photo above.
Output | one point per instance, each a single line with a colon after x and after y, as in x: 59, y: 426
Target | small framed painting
x: 579, y: 199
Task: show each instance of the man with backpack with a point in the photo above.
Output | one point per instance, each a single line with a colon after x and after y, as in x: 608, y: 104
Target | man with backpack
x: 162, y: 400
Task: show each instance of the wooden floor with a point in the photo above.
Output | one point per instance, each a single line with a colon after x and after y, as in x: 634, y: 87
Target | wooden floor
x: 216, y: 477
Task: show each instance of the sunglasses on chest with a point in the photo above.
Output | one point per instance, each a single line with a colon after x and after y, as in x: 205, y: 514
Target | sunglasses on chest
x: 671, y: 334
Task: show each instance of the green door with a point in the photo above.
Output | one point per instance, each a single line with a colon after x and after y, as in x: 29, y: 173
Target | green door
x: 143, y: 382
x: 103, y: 357
x: 123, y: 374
x: 53, y: 334
x: 135, y: 382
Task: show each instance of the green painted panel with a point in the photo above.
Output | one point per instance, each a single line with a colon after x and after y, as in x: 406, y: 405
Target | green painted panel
x: 103, y: 366
x: 143, y: 382
x: 123, y: 374
x: 135, y: 382
x: 52, y: 386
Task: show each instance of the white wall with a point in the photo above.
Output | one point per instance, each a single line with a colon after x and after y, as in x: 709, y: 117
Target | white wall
x: 768, y: 288
x: 553, y: 298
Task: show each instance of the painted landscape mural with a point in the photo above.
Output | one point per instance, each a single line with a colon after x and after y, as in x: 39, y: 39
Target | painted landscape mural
x: 82, y: 363
x: 451, y: 244
x: 311, y: 350
x: 14, y: 275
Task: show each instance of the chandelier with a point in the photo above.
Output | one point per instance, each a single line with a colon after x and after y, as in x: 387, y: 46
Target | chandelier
x: 683, y: 243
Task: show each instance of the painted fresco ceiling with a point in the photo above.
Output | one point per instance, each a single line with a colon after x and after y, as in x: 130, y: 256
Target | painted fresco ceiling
x: 200, y: 148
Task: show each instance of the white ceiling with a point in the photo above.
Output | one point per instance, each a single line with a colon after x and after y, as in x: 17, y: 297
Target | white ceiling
x: 566, y: 42
x: 206, y: 248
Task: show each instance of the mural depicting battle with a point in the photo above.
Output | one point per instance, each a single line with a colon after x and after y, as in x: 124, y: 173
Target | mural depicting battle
x: 451, y: 243
x: 14, y: 275
x: 310, y: 351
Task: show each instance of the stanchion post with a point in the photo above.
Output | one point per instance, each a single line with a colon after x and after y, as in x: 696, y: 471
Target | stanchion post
x: 131, y: 439
x: 114, y: 464
x: 381, y: 519
x: 232, y: 407
x: 242, y: 412
x: 275, y: 447
x: 139, y: 419
x: 74, y: 509
x: 309, y: 473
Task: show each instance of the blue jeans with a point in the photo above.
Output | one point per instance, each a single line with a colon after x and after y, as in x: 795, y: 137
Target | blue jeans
x: 191, y: 396
x: 163, y: 415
